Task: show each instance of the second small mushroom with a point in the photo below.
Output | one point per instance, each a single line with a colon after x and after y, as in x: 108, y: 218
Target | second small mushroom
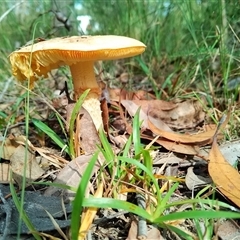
x: 79, y: 53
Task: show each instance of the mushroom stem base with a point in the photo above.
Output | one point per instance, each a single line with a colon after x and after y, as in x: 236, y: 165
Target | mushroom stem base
x: 92, y: 105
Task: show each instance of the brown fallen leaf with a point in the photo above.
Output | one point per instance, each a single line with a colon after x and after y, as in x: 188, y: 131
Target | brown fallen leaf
x: 186, y: 114
x: 177, y: 147
x: 70, y: 175
x: 86, y: 136
x: 18, y: 160
x: 132, y: 108
x: 202, y: 138
x: 173, y: 146
x: 10, y: 144
x: 117, y: 94
x: 226, y: 177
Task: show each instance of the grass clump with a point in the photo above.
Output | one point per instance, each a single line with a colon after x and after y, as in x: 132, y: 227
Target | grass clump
x: 133, y: 172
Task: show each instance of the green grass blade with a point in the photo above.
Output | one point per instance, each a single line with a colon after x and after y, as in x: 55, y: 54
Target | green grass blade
x: 147, y: 160
x: 61, y: 125
x: 146, y: 170
x: 197, y: 215
x: 47, y: 130
x: 74, y: 114
x: 23, y: 186
x: 209, y: 202
x: 108, y: 152
x: 127, y: 146
x: 180, y: 232
x: 79, y: 198
x: 136, y: 134
x: 162, y: 203
x: 116, y: 204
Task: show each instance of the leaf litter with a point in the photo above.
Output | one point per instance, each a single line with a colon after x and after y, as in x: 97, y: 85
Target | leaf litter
x: 159, y: 118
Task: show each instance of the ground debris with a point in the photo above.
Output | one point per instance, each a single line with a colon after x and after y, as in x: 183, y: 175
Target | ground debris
x: 111, y: 224
x: 228, y: 229
x: 35, y: 206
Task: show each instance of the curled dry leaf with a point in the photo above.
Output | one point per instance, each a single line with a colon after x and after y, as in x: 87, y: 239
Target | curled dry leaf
x: 202, y: 138
x: 192, y: 180
x: 177, y: 147
x: 187, y: 114
x: 173, y: 146
x: 132, y: 108
x: 226, y: 178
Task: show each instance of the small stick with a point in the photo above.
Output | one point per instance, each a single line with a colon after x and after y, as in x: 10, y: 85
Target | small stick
x: 142, y: 224
x: 65, y: 89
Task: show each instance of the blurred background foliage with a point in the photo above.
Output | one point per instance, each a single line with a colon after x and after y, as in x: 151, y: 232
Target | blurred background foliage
x: 187, y: 41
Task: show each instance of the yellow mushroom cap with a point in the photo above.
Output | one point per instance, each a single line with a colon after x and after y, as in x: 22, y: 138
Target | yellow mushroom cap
x: 37, y: 60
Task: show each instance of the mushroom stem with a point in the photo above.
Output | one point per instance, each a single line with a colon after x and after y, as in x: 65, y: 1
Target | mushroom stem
x: 84, y: 78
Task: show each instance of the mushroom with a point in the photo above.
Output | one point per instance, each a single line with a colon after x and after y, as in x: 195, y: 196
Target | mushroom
x: 79, y: 53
